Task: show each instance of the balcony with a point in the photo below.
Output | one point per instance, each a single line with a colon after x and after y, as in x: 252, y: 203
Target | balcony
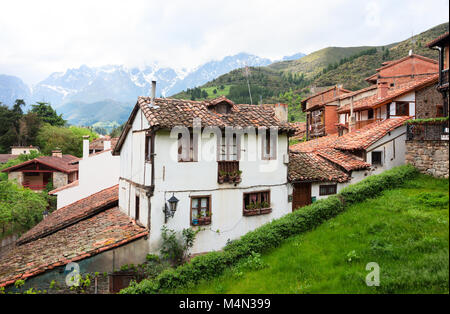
x: 362, y: 123
x: 228, y: 171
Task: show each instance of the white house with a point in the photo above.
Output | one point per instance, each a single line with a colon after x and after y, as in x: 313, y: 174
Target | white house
x: 97, y: 172
x: 218, y: 161
x: 322, y: 167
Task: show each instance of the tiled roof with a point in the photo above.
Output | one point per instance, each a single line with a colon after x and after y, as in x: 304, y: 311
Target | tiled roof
x: 72, y: 213
x: 64, y: 187
x: 345, y: 160
x: 300, y: 128
x: 313, y: 145
x: 311, y: 167
x: 106, y: 230
x: 5, y: 157
x: 177, y: 112
x: 366, y: 136
x: 359, y: 91
x: 171, y: 112
x: 392, y: 93
x: 62, y: 164
x: 438, y: 39
x: 98, y: 144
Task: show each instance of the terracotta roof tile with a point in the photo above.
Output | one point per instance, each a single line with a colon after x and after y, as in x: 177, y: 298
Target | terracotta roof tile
x: 397, y: 91
x: 310, y: 167
x: 438, y: 39
x: 366, y: 136
x: 106, y: 230
x: 343, y: 159
x: 72, y: 213
x: 63, y: 164
x: 177, y: 112
x: 300, y: 129
x: 6, y: 157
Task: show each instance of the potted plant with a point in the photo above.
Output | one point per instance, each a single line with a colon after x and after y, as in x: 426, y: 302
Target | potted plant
x: 265, y: 207
x: 195, y: 220
x: 222, y: 177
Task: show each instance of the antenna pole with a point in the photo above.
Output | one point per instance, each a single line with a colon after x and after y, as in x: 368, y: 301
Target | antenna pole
x: 248, y: 84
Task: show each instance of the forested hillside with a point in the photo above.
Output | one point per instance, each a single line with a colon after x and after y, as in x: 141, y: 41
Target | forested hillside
x: 289, y: 81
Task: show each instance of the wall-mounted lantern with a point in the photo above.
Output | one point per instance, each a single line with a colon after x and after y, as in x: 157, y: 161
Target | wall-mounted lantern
x: 169, y: 210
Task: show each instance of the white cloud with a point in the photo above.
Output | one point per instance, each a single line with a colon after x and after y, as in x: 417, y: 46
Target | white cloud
x: 40, y: 37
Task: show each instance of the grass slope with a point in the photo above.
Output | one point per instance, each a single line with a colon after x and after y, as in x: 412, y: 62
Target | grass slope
x: 405, y: 231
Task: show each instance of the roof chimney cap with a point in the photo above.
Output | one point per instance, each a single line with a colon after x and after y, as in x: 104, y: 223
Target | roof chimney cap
x: 57, y: 152
x: 86, y: 137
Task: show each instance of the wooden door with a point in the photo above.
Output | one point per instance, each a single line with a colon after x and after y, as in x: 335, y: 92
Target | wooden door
x: 301, y: 195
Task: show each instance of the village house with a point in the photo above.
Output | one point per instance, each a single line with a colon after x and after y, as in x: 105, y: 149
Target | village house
x: 97, y: 171
x: 320, y: 108
x: 323, y: 166
x: 91, y: 232
x: 442, y: 44
x: 98, y: 145
x: 35, y: 174
x: 16, y: 151
x: 228, y: 185
x: 400, y: 87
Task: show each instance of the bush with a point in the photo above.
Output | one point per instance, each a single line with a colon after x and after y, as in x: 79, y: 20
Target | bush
x: 271, y: 234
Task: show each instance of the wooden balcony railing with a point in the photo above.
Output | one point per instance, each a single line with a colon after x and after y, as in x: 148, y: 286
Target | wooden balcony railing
x: 362, y: 123
x: 36, y: 187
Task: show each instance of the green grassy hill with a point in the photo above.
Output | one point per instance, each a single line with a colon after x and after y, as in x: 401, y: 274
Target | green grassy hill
x: 405, y: 231
x: 288, y: 81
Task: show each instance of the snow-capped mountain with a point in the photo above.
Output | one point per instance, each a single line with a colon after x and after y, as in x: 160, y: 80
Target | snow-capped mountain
x: 73, y: 91
x: 12, y: 88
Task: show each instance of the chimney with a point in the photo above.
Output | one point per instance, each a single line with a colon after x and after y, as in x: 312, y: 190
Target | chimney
x: 382, y: 89
x: 85, y: 146
x: 106, y: 144
x: 281, y: 112
x: 57, y: 153
x: 152, y: 105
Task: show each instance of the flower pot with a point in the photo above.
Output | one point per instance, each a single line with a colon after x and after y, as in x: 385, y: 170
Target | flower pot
x: 195, y: 222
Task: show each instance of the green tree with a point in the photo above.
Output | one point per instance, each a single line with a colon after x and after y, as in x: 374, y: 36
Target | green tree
x: 48, y: 114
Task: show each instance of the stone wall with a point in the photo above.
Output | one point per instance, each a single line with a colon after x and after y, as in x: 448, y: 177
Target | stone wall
x: 16, y: 175
x: 430, y: 157
x: 427, y: 101
x: 60, y: 179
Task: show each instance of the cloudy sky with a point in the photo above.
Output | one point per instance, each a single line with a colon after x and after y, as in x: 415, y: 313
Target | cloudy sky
x: 45, y: 36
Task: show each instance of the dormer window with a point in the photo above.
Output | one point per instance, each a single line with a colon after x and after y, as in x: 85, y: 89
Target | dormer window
x: 221, y: 105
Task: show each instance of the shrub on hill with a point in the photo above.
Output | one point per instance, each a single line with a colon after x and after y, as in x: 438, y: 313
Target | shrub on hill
x: 271, y: 234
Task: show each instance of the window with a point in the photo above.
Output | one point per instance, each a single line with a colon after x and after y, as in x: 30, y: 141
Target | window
x: 228, y: 150
x: 376, y: 158
x: 256, y: 203
x: 200, y: 210
x: 327, y: 189
x: 136, y: 208
x: 370, y: 114
x: 148, y: 147
x: 269, y: 146
x: 402, y: 108
x: 187, y: 152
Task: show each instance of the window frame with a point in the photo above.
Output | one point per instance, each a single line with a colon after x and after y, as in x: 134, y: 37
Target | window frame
x: 330, y: 189
x: 380, y: 163
x: 258, y: 211
x: 137, y: 207
x: 193, y: 148
x: 267, y: 145
x: 209, y: 207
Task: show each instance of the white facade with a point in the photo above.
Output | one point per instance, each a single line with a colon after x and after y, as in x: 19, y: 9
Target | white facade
x: 96, y: 172
x: 185, y: 180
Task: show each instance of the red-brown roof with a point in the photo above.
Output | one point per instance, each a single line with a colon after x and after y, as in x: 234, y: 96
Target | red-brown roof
x: 106, y: 230
x: 438, y: 40
x: 374, y: 101
x: 98, y: 144
x: 300, y: 129
x: 310, y: 167
x: 6, y: 157
x: 73, y: 213
x: 368, y: 135
x: 314, y: 145
x: 62, y: 164
x: 345, y: 160
x: 64, y: 187
x: 171, y: 112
